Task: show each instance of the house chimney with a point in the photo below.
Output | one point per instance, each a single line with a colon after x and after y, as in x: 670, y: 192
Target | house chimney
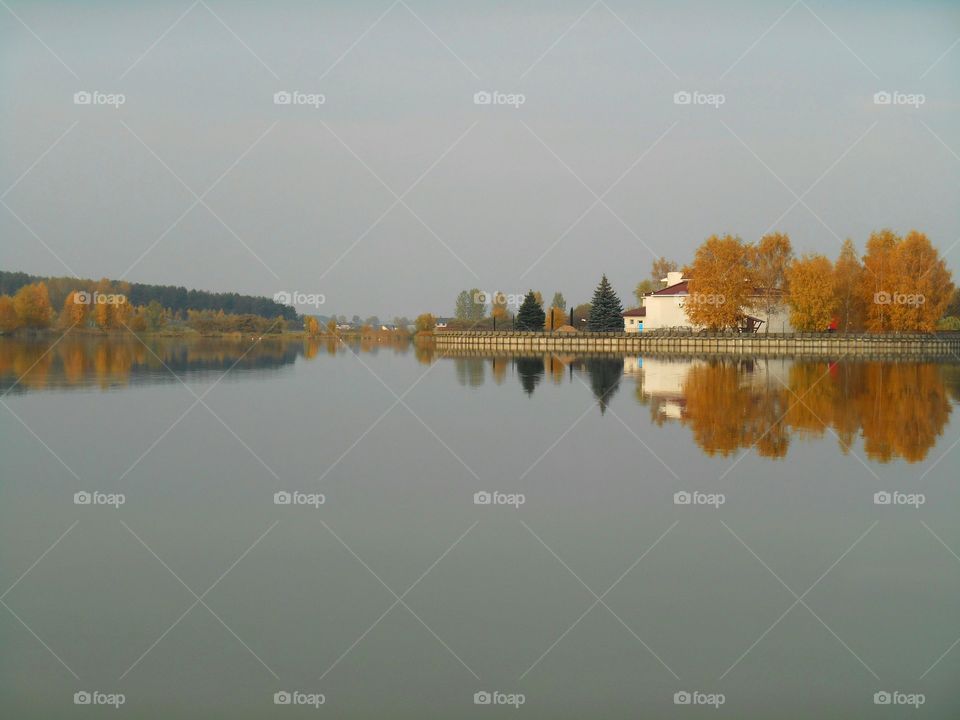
x: 673, y: 278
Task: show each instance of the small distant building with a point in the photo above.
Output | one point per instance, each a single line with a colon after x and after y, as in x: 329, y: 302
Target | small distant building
x: 441, y: 323
x: 388, y: 327
x: 633, y: 320
x: 344, y: 326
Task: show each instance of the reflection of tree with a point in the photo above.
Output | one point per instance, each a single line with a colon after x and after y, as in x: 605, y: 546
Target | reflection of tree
x: 530, y: 371
x: 470, y: 371
x: 605, y: 374
x: 898, y: 408
x: 498, y: 366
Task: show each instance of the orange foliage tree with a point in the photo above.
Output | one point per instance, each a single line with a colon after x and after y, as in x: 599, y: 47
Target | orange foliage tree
x: 8, y: 315
x: 720, y: 283
x: 848, y: 274
x: 812, y: 293
x: 32, y: 305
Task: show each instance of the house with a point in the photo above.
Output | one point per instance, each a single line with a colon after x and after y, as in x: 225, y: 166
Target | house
x: 633, y: 320
x: 665, y: 309
x: 388, y: 327
x: 441, y: 323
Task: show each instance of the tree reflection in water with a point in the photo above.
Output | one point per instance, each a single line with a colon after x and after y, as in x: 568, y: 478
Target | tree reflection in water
x: 898, y: 408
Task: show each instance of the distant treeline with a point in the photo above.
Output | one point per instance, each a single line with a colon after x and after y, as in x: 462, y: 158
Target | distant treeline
x: 175, y: 299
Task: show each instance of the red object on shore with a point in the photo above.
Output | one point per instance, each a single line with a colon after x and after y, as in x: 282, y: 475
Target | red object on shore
x: 834, y: 325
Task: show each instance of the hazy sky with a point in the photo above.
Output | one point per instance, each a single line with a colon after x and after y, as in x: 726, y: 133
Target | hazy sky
x: 502, y: 197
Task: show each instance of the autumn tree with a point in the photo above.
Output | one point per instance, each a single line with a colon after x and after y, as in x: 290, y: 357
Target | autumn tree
x: 8, y: 315
x: 32, y: 305
x: 310, y: 325
x: 498, y: 307
x: 556, y: 318
x: 644, y: 287
x: 877, y: 278
x: 425, y: 323
x: 720, y: 283
x: 848, y: 277
x: 75, y: 310
x: 812, y: 293
x: 769, y: 260
x: 662, y: 266
x: 922, y: 289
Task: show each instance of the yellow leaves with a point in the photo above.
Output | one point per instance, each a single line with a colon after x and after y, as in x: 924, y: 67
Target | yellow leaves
x: 8, y: 315
x: 32, y: 306
x: 425, y: 322
x: 720, y: 283
x: 812, y: 293
x: 906, y: 285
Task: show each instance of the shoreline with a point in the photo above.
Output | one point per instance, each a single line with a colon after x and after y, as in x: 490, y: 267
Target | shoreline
x: 772, y: 345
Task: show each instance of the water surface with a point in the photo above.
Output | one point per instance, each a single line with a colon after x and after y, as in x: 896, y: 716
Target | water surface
x: 198, y: 437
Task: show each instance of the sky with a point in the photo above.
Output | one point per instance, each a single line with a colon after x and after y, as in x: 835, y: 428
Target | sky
x: 403, y: 187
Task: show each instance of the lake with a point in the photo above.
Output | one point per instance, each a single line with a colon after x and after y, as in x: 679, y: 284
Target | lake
x: 375, y: 530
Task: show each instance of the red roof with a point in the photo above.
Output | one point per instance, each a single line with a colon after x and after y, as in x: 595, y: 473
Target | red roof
x: 636, y: 312
x: 679, y: 289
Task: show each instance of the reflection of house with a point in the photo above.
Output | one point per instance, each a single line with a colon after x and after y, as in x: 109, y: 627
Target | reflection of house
x: 665, y: 308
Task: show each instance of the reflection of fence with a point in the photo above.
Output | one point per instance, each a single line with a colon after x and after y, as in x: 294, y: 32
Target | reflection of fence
x: 811, y: 344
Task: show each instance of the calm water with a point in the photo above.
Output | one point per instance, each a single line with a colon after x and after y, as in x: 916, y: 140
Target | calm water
x: 600, y: 595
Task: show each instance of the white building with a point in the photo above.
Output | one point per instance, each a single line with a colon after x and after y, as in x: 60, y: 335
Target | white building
x: 664, y: 308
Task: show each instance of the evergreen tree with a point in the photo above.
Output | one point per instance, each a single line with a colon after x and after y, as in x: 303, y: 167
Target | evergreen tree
x: 530, y: 316
x: 605, y: 315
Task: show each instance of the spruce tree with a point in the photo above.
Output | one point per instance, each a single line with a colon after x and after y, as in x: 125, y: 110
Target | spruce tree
x: 605, y: 315
x: 531, y: 316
